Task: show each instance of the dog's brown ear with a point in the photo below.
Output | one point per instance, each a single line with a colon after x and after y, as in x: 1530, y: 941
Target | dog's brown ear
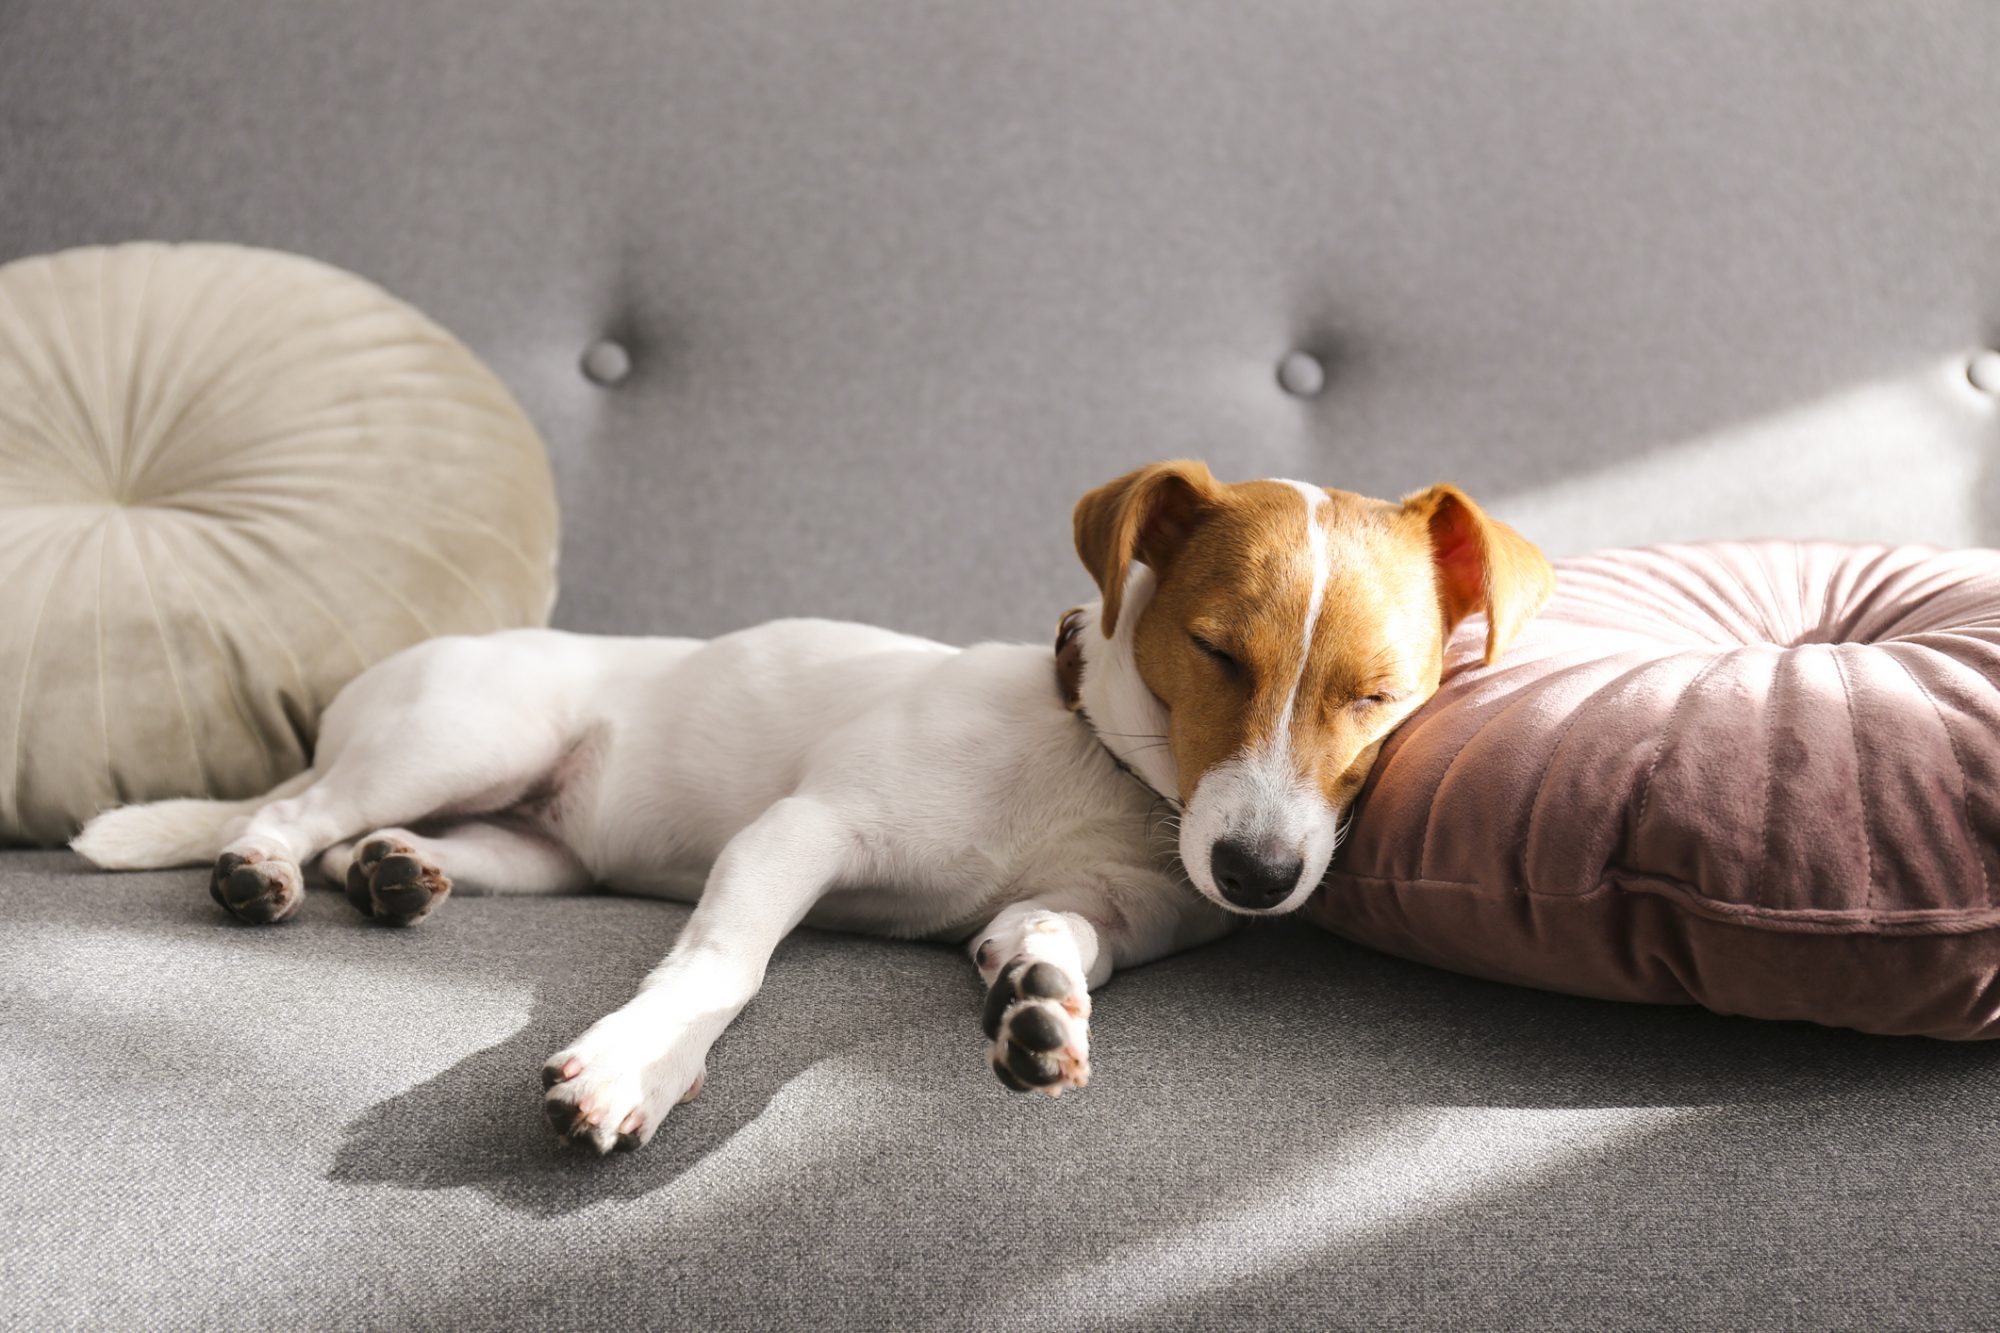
x: 1145, y: 516
x: 1482, y: 565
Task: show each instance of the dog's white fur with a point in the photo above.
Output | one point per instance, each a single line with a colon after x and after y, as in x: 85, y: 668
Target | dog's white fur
x: 808, y: 771
x: 801, y: 771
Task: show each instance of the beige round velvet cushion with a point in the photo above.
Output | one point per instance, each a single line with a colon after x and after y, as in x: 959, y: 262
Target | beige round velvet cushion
x: 229, y: 480
x: 1759, y: 777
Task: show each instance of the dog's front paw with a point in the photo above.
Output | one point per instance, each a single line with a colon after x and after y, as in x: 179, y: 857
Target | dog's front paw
x: 390, y: 882
x: 613, y: 1087
x: 1038, y: 1021
x: 255, y: 888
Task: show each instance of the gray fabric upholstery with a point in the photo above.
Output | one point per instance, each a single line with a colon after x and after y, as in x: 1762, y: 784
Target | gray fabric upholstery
x: 896, y: 282
x: 331, y: 1124
x: 900, y: 281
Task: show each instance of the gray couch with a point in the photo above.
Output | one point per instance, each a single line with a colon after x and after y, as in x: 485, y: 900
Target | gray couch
x: 895, y: 283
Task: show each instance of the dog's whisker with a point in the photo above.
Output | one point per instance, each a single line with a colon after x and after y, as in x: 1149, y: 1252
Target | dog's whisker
x: 1343, y: 828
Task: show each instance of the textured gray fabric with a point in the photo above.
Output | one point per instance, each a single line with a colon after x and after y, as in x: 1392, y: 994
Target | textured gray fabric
x: 901, y: 280
x: 897, y: 283
x: 333, y: 1124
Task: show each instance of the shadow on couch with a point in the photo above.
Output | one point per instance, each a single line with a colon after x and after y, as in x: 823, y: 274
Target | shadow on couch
x: 863, y: 1049
x: 1276, y: 1119
x: 479, y: 1123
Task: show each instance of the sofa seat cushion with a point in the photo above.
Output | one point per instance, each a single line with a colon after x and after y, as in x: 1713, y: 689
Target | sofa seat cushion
x: 1762, y: 777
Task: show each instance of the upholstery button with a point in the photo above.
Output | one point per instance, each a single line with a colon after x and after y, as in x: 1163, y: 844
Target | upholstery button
x: 1984, y: 372
x: 606, y: 362
x: 1302, y: 375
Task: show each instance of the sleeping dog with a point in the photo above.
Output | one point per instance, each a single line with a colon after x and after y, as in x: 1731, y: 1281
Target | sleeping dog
x: 1252, y: 647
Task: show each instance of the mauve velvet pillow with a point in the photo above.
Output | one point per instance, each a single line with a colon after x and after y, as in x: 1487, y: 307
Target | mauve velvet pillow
x: 1761, y: 777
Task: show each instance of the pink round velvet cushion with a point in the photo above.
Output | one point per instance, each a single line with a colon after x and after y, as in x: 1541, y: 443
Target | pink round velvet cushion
x: 1762, y: 777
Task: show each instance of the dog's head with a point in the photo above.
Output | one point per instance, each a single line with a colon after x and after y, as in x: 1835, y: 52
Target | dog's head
x: 1260, y: 640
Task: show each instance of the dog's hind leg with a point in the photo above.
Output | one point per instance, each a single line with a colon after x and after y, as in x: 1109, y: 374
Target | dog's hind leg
x: 612, y: 1086
x: 398, y: 877
x: 451, y: 728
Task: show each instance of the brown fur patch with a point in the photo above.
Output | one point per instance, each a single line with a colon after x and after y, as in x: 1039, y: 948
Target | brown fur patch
x: 1069, y: 659
x: 1222, y: 640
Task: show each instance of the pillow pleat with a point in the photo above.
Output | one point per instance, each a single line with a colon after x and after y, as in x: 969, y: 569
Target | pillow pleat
x: 230, y: 479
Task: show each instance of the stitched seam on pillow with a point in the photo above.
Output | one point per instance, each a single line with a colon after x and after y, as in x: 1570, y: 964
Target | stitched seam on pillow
x: 215, y: 402
x: 1679, y: 578
x: 1660, y: 746
x: 134, y: 376
x: 1719, y: 586
x: 1774, y: 613
x: 1493, y: 674
x: 1534, y: 802
x: 167, y: 656
x: 1878, y: 592
x: 1964, y: 782
x: 1582, y: 707
x: 1645, y: 607
x: 1756, y: 622
x: 103, y: 686
x: 1808, y: 921
x: 230, y: 679
x: 1860, y: 795
x: 480, y: 596
x: 64, y: 372
x: 1799, y: 578
x: 13, y: 791
x: 464, y: 519
x: 1826, y: 591
x: 332, y: 551
x: 248, y: 284
x: 1770, y: 782
x: 226, y: 568
x: 1914, y: 922
x: 278, y: 446
x: 280, y: 559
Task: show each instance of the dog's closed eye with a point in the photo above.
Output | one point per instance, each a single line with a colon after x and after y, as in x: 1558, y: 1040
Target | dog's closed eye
x: 1230, y: 666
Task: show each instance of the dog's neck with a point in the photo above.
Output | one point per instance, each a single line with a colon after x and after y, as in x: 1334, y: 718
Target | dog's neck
x: 1099, y: 679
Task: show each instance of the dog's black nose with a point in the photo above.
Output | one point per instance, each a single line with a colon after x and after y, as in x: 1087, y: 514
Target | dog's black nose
x: 1253, y: 877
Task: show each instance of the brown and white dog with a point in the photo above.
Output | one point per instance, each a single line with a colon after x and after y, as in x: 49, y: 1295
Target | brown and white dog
x: 1253, y: 646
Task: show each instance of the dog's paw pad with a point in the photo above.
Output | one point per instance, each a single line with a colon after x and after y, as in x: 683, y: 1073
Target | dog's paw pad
x: 1036, y: 1020
x: 602, y: 1105
x: 255, y: 888
x: 390, y: 882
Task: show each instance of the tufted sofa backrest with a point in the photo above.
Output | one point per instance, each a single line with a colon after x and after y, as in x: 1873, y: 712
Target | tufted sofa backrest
x: 878, y: 288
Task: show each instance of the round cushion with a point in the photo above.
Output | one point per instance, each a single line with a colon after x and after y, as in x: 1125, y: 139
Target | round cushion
x: 229, y: 480
x: 1761, y: 777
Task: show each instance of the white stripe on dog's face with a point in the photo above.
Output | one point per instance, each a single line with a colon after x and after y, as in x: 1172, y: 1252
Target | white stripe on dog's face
x: 1263, y: 799
x: 1321, y: 564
